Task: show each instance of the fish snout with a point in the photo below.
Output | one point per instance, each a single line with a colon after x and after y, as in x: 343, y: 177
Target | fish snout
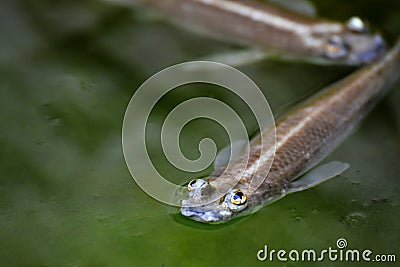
x: 375, y: 50
x: 202, y: 214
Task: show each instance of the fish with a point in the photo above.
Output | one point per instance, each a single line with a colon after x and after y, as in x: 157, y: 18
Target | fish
x: 304, y: 137
x: 274, y: 30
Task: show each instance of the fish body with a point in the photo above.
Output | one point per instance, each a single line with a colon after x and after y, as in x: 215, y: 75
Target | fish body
x: 276, y: 29
x: 304, y: 136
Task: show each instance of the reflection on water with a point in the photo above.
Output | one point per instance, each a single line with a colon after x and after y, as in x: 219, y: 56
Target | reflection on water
x: 68, y: 70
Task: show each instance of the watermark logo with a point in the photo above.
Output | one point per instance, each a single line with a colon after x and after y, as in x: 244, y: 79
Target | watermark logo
x: 339, y: 253
x: 341, y: 243
x: 152, y: 90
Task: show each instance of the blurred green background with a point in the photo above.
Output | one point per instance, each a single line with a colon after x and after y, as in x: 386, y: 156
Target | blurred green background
x: 67, y: 72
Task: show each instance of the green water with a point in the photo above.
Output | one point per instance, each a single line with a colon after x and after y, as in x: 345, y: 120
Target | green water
x: 67, y: 72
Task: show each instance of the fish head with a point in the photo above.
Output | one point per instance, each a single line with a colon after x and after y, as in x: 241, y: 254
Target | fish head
x: 356, y: 44
x: 206, y: 204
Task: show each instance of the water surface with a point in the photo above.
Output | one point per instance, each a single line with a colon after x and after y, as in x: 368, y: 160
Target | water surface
x: 67, y: 72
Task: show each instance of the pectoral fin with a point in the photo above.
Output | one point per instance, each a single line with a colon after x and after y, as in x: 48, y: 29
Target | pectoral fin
x: 239, y: 58
x: 244, y: 57
x: 318, y: 175
x: 224, y: 155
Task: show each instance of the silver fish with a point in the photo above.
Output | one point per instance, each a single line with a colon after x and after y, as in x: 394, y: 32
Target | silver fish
x: 304, y: 137
x: 275, y: 29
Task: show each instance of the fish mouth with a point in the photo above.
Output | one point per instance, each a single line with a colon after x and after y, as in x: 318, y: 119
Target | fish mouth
x: 207, y: 216
x: 372, y: 52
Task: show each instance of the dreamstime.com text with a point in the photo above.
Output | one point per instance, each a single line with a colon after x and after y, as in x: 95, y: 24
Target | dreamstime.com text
x: 339, y: 253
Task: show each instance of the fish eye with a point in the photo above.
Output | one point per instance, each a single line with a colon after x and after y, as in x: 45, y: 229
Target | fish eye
x: 236, y: 200
x: 195, y: 184
x: 357, y: 25
x: 334, y: 48
x: 237, y: 197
